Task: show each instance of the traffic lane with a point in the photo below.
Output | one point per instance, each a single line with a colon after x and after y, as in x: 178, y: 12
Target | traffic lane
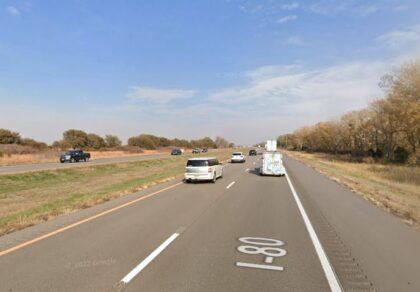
x: 22, y: 168
x: 95, y: 255
x: 203, y: 257
x: 385, y: 249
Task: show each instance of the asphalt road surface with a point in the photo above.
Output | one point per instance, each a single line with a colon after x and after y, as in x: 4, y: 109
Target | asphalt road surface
x: 22, y: 168
x: 302, y: 232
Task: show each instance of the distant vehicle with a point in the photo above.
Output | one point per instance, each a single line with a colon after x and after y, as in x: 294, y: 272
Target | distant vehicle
x: 196, y: 150
x: 272, y: 164
x: 203, y: 168
x: 75, y: 156
x: 237, y: 157
x: 205, y: 149
x: 252, y: 152
x: 176, y: 152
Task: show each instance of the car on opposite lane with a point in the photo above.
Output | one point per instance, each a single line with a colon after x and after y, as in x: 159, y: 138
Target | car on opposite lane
x: 196, y: 150
x: 252, y: 152
x: 176, y: 152
x: 74, y: 156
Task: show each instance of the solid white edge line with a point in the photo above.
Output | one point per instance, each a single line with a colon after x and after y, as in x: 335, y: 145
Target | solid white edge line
x: 150, y: 258
x: 326, y: 266
x: 231, y: 184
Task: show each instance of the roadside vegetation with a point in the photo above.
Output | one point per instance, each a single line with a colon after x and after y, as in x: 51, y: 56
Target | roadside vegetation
x: 374, y: 151
x: 17, y: 150
x: 27, y: 199
x: 387, y: 131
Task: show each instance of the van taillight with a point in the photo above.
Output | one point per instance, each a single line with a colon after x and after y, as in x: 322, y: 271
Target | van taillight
x: 210, y: 170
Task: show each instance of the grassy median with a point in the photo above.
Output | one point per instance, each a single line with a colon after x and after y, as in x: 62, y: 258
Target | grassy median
x: 396, y: 188
x: 27, y: 199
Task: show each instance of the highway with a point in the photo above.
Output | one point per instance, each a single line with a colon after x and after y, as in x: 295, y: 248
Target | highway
x: 302, y: 232
x: 22, y: 168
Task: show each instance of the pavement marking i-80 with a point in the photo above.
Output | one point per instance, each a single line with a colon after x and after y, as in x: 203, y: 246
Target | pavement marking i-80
x: 265, y: 246
x: 326, y: 266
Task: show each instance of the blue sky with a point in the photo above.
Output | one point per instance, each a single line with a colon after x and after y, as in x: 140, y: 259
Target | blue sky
x: 246, y: 70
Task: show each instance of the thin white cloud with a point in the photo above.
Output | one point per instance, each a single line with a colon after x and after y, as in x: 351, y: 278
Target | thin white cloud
x: 265, y: 72
x: 287, y: 18
x: 158, y: 95
x: 290, y: 6
x: 330, y: 91
x: 401, y: 39
x: 333, y: 7
x: 368, y: 10
x: 13, y: 11
x: 294, y: 41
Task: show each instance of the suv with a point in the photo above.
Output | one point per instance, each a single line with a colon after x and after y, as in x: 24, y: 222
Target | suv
x: 74, y: 156
x: 203, y: 168
x: 237, y: 157
x: 176, y: 152
x: 252, y: 152
x: 196, y: 150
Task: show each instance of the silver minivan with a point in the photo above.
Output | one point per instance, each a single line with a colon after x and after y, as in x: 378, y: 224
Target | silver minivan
x: 203, y: 168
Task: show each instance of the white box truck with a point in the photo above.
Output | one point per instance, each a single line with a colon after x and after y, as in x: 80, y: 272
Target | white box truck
x: 272, y: 164
x: 271, y: 145
x: 272, y: 161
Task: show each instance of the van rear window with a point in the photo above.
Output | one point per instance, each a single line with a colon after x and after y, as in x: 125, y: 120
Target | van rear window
x: 197, y: 163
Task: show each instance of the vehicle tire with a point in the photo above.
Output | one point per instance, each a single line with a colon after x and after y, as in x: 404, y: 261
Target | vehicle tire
x: 72, y: 160
x: 214, y: 178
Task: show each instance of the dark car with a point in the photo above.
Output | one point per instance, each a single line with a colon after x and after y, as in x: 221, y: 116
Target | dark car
x: 252, y: 152
x: 75, y: 156
x: 176, y: 152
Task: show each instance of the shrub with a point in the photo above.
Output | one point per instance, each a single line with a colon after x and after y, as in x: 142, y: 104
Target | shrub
x: 144, y: 141
x: 32, y: 143
x: 95, y: 141
x: 9, y: 137
x: 112, y: 141
x: 75, y: 138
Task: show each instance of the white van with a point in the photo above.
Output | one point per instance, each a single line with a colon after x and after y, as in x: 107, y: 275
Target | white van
x: 203, y: 168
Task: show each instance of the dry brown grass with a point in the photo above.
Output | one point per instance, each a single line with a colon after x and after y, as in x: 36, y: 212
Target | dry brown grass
x: 396, y: 188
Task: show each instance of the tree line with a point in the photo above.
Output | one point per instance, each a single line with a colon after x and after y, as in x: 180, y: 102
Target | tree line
x: 148, y: 141
x: 78, y: 139
x: 388, y: 129
x: 10, y: 137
